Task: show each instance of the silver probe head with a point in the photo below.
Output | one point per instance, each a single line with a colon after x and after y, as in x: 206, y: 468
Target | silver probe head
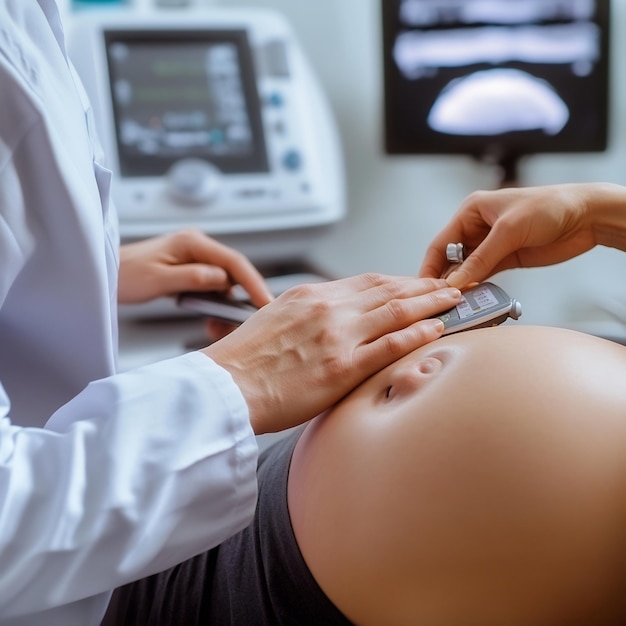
x: 455, y: 253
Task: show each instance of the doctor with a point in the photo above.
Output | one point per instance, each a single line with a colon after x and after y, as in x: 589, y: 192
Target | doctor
x: 105, y: 477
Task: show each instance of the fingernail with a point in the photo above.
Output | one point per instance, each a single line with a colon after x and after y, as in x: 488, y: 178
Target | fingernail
x: 457, y: 279
x: 437, y: 324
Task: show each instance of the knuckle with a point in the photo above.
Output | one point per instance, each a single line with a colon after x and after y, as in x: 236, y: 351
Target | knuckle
x: 321, y: 309
x: 396, y: 344
x: 336, y: 368
x: 196, y: 278
x: 392, y: 291
x: 431, y: 284
x: 304, y: 291
x: 397, y: 309
x: 187, y: 234
x: 399, y: 343
x: 316, y: 296
x: 183, y: 240
x: 439, y: 298
x: 375, y: 279
x: 476, y: 197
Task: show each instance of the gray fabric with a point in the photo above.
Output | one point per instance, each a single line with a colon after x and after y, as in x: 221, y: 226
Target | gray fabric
x: 256, y: 578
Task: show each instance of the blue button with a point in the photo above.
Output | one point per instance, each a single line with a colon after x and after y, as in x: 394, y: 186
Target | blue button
x: 276, y: 99
x: 292, y: 160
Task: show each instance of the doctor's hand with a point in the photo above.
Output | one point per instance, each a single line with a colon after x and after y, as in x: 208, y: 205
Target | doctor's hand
x: 526, y: 227
x: 300, y: 354
x: 187, y: 260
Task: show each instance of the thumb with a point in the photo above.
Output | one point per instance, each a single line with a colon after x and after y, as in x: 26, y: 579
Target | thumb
x: 459, y: 279
x: 481, y: 263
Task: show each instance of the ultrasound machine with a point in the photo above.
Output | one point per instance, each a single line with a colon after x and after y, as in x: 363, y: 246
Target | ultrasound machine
x: 213, y: 118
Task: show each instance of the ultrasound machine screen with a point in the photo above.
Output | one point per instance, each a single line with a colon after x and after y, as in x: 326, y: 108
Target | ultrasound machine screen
x: 186, y: 95
x: 496, y: 79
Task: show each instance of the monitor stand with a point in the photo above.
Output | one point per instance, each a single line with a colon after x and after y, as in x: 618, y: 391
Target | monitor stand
x: 508, y: 170
x: 506, y: 167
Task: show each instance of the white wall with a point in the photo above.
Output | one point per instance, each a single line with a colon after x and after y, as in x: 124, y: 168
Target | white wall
x: 396, y: 204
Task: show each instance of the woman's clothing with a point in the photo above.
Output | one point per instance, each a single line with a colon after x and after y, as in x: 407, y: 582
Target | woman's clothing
x: 104, y: 478
x: 257, y: 577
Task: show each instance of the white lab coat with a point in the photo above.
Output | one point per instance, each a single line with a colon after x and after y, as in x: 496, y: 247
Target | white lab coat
x: 134, y: 472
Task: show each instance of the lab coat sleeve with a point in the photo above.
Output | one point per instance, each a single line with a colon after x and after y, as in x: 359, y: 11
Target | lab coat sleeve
x: 137, y: 473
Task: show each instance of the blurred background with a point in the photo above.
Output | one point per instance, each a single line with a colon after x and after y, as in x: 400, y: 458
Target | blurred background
x: 395, y: 203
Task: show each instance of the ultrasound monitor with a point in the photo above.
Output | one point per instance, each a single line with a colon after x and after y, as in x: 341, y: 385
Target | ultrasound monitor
x: 182, y: 95
x: 495, y: 79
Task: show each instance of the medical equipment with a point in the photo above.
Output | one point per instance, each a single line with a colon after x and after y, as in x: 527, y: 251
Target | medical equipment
x: 212, y: 118
x: 455, y: 252
x: 496, y: 80
x: 481, y: 306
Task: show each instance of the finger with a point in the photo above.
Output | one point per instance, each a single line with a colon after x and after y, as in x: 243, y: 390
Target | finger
x: 238, y: 267
x: 401, y: 313
x: 469, y: 226
x: 242, y: 272
x: 193, y: 277
x: 200, y: 248
x: 435, y: 261
x: 335, y: 289
x: 365, y: 293
x: 389, y: 348
x: 484, y: 261
x: 400, y: 288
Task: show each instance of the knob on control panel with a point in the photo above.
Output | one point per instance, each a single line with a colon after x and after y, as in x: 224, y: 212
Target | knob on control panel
x: 193, y: 181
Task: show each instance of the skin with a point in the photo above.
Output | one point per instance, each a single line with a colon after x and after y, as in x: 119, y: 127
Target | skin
x: 480, y: 480
x: 185, y: 261
x: 528, y: 227
x: 301, y: 353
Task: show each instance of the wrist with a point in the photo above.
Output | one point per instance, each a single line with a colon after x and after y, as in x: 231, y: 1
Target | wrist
x: 253, y: 387
x: 606, y: 212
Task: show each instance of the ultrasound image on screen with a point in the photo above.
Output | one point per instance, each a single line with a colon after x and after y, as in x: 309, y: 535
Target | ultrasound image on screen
x: 508, y: 76
x: 184, y: 95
